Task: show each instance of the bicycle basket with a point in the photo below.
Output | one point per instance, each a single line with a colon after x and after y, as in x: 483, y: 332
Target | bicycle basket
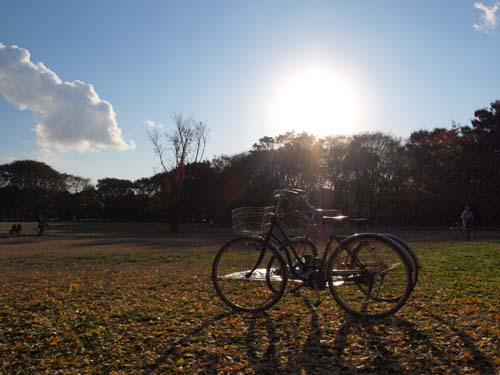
x: 251, y: 220
x: 294, y: 222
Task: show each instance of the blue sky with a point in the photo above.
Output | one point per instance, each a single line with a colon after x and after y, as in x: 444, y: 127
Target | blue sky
x: 411, y: 65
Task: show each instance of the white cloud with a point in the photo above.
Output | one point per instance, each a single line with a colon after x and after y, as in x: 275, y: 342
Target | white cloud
x: 488, y: 18
x: 69, y: 115
x: 46, y: 155
x: 153, y: 124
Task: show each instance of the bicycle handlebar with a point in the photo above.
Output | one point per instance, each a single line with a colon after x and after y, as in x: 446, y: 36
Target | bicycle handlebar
x: 317, y: 213
x: 303, y: 194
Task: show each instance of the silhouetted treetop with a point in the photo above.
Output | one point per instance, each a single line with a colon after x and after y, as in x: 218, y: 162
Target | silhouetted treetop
x: 424, y: 180
x: 30, y: 174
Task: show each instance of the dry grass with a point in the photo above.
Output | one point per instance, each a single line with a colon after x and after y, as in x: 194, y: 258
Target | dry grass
x: 128, y: 299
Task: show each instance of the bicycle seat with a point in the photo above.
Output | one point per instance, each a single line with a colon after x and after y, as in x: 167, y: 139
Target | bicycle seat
x: 342, y: 218
x: 335, y: 219
x: 327, y: 211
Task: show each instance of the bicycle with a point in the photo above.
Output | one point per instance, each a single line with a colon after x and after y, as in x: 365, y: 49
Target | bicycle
x: 370, y: 275
x: 460, y: 232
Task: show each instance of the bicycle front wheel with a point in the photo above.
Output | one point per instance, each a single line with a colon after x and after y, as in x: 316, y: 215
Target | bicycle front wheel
x: 457, y: 233
x: 369, y: 276
x: 242, y: 278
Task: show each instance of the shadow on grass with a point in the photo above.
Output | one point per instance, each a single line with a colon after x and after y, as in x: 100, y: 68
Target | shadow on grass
x: 267, y: 353
x: 267, y: 362
x: 173, y: 348
x: 319, y: 356
x: 428, y: 361
x: 478, y: 360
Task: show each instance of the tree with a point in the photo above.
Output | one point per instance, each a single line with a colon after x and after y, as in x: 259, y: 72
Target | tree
x: 30, y: 188
x: 76, y: 184
x: 479, y: 161
x: 87, y: 201
x: 116, y: 198
x: 366, y: 173
x: 437, y: 182
x: 30, y: 174
x: 175, y: 150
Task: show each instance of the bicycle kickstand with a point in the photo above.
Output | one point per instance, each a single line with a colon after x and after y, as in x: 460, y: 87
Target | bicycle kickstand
x: 297, y: 289
x: 318, y: 295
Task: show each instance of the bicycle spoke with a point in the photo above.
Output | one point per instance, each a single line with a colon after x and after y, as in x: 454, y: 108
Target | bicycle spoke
x: 241, y: 278
x: 389, y: 268
x: 369, y: 277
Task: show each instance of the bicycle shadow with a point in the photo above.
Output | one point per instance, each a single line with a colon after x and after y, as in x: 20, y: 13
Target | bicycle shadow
x: 262, y: 361
x: 320, y: 356
x: 268, y: 352
x: 316, y: 357
x: 377, y: 354
x: 173, y: 350
x: 386, y: 358
x: 478, y: 360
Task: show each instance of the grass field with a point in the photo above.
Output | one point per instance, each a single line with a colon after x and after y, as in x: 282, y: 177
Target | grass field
x: 130, y: 299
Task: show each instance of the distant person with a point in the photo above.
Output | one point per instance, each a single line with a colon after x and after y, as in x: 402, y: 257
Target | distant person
x: 467, y: 220
x: 41, y: 225
x: 15, y: 229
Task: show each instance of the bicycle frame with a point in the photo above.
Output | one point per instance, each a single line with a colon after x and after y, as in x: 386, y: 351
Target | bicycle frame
x: 285, y: 243
x: 286, y: 246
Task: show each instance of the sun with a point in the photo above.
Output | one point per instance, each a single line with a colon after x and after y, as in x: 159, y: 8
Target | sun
x: 316, y: 100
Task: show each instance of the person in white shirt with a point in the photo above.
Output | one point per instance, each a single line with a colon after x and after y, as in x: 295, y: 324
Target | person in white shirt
x: 467, y: 219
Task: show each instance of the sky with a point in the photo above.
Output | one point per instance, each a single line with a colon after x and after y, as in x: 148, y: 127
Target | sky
x: 82, y: 82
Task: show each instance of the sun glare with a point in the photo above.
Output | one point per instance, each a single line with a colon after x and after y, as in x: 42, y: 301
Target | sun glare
x: 315, y: 100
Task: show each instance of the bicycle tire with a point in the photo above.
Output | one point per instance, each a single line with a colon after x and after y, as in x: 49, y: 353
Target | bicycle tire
x: 358, y: 253
x: 412, y: 256
x: 456, y: 233
x: 460, y: 234
x: 234, y: 282
x: 348, y: 270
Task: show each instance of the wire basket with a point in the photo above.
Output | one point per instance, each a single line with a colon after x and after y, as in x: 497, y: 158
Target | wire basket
x: 252, y: 220
x: 294, y: 222
x: 292, y: 213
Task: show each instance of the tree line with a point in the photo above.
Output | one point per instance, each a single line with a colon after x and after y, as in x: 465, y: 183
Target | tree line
x: 424, y: 180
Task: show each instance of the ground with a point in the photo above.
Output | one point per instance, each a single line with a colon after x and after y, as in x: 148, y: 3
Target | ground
x: 135, y: 299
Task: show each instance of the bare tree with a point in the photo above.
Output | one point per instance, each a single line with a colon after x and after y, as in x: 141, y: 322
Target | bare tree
x: 184, y: 145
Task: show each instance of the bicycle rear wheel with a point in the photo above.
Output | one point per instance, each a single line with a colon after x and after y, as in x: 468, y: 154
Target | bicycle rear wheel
x: 412, y: 256
x: 369, y: 276
x: 240, y: 276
